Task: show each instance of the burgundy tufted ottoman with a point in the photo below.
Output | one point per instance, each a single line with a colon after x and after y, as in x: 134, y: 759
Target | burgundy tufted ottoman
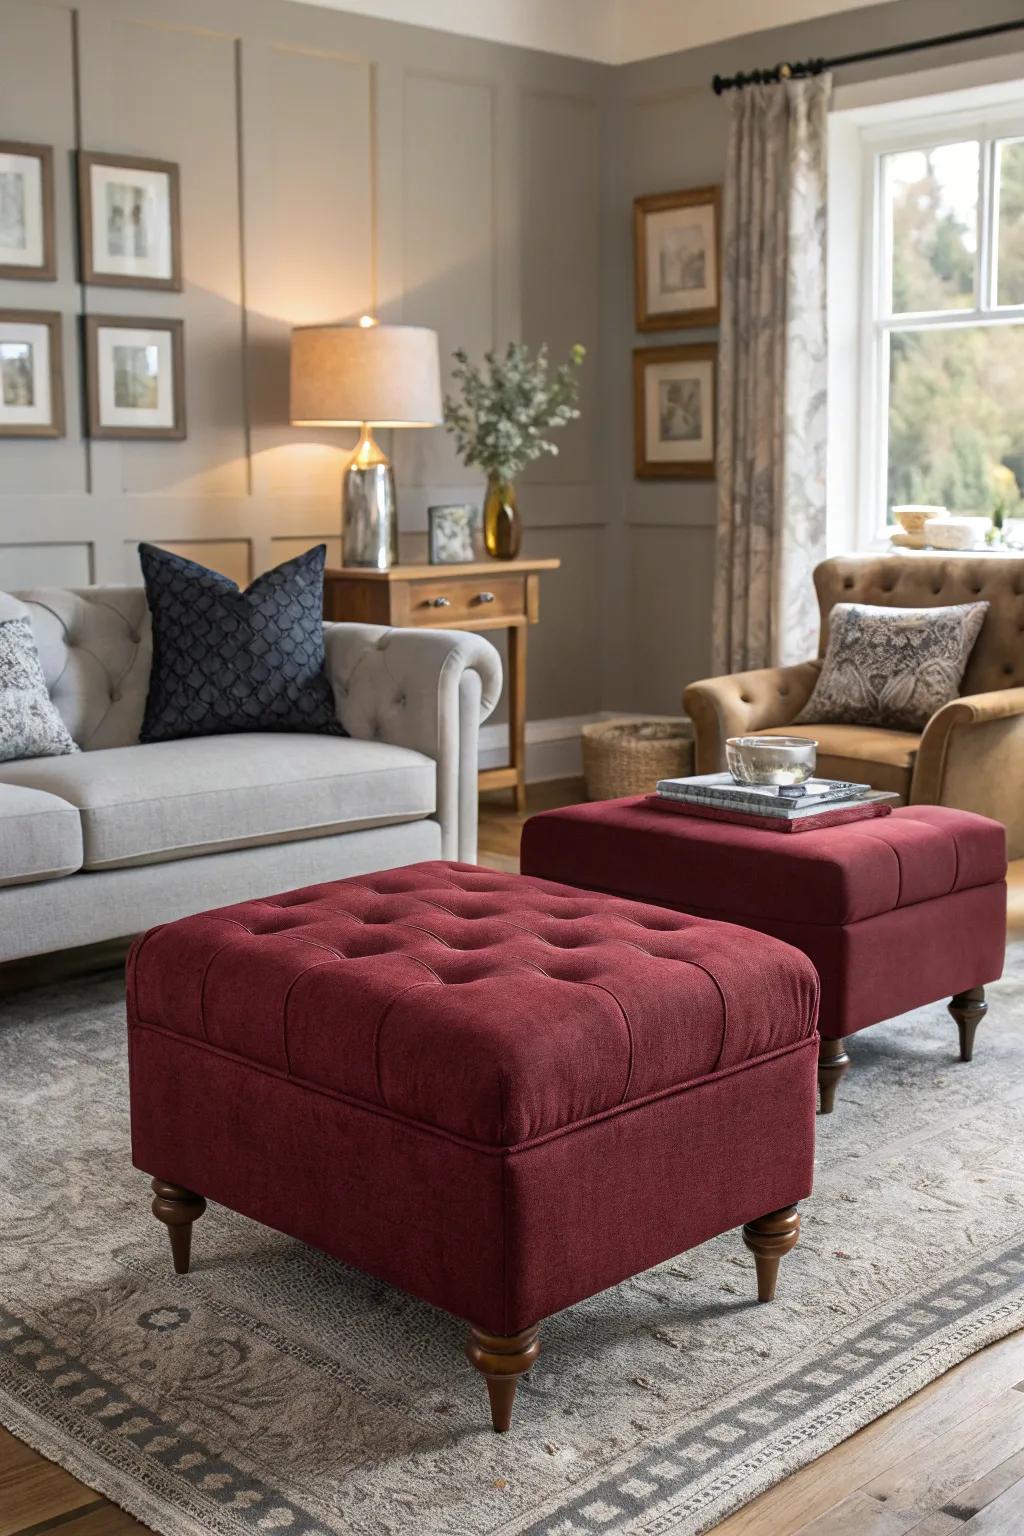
x: 894, y: 913
x: 498, y: 1093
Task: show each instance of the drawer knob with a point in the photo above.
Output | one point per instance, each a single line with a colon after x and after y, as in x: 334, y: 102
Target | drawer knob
x: 485, y: 597
x: 439, y: 602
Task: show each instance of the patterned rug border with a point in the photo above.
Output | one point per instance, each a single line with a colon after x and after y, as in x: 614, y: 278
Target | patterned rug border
x: 812, y: 1435
x: 819, y: 1429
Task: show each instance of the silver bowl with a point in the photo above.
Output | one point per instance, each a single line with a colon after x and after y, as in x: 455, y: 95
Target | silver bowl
x: 771, y: 759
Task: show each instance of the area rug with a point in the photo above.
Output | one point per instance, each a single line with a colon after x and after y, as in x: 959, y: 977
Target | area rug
x: 273, y: 1390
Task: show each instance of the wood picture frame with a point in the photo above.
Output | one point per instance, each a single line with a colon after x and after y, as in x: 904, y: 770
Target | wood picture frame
x: 131, y: 238
x: 675, y: 398
x: 33, y: 224
x: 149, y: 379
x: 38, y: 380
x: 677, y: 259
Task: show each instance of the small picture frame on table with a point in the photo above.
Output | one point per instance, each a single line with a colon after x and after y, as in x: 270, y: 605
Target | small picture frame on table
x: 676, y: 255
x: 26, y: 211
x: 31, y: 374
x: 135, y: 372
x: 455, y: 535
x: 674, y: 411
x: 130, y: 222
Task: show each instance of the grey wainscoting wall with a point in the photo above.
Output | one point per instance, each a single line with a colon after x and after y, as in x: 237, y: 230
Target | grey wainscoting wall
x: 667, y: 130
x: 331, y: 164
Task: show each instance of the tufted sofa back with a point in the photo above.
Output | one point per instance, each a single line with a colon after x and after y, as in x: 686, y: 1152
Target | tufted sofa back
x: 930, y: 581
x: 95, y: 644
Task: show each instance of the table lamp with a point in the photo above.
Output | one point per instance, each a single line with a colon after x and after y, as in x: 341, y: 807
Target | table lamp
x: 366, y: 376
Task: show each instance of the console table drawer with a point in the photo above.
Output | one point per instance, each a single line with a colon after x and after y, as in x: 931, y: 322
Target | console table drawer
x: 454, y: 600
x: 487, y: 595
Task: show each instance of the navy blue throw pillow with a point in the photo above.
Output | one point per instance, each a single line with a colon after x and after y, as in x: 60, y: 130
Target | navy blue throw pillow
x: 225, y: 660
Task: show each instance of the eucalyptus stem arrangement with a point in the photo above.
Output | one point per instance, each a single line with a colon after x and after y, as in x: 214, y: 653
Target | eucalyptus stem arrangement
x: 500, y: 416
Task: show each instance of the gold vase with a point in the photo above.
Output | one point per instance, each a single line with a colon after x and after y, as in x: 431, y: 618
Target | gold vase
x: 503, y: 532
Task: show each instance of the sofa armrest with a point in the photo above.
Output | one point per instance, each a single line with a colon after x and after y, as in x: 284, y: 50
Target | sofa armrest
x: 427, y: 690
x: 743, y: 702
x: 972, y: 756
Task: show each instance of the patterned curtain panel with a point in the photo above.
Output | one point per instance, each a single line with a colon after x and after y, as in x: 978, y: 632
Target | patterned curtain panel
x: 772, y: 377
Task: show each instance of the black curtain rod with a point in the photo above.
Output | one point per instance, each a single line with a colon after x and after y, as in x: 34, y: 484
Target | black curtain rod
x: 810, y: 67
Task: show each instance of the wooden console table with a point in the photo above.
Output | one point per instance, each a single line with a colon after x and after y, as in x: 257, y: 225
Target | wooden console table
x: 489, y: 594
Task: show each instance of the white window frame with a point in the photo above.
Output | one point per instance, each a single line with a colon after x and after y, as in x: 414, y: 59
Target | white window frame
x: 877, y: 320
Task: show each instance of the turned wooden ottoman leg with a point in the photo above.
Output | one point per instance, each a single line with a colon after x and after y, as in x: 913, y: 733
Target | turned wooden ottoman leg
x: 769, y: 1238
x: 502, y: 1360
x: 833, y: 1061
x: 968, y: 1009
x: 177, y: 1208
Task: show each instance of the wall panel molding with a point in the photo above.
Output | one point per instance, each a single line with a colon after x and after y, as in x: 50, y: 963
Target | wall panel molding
x: 330, y: 165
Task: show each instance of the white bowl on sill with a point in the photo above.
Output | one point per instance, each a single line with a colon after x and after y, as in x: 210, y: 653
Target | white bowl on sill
x: 958, y: 532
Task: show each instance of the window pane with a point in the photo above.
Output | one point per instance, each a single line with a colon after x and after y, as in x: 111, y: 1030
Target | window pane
x: 956, y: 430
x: 932, y: 201
x: 1010, y: 174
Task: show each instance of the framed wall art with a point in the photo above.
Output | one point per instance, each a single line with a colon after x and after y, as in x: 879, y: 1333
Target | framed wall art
x: 456, y: 535
x: 674, y: 411
x: 135, y: 377
x: 26, y: 211
x: 31, y: 374
x: 130, y: 221
x: 676, y: 254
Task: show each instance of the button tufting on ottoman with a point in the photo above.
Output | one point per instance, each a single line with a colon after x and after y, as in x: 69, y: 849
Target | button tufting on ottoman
x: 498, y: 1093
x: 894, y: 913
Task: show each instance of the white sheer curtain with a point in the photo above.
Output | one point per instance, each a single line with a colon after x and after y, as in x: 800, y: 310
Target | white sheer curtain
x: 772, y: 376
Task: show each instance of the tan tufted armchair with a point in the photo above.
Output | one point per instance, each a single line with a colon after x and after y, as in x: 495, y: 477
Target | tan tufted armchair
x: 970, y: 754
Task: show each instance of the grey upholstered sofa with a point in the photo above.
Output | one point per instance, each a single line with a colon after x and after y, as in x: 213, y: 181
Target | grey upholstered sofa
x: 110, y: 840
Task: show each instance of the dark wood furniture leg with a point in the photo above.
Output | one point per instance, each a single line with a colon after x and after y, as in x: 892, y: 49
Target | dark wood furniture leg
x: 833, y: 1061
x: 769, y: 1238
x: 177, y: 1208
x: 968, y: 1009
x: 501, y: 1361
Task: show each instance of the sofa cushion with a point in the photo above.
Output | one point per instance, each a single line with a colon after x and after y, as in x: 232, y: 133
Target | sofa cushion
x: 485, y: 1004
x: 170, y: 800
x: 864, y: 753
x: 226, y: 660
x: 40, y: 836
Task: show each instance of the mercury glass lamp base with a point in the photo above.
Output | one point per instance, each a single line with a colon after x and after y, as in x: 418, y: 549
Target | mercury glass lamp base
x: 369, y: 517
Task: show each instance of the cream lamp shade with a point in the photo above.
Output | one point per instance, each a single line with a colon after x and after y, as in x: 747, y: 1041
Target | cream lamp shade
x: 351, y: 375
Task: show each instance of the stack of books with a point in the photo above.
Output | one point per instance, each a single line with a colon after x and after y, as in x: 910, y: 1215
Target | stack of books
x: 788, y: 808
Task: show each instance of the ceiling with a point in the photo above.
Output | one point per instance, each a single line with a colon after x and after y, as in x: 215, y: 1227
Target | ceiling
x: 609, y: 31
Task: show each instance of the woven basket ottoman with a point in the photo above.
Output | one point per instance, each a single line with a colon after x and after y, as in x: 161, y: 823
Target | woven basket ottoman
x: 894, y: 912
x: 499, y: 1094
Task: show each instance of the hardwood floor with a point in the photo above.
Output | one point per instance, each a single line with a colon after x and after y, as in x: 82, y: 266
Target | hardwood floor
x: 948, y: 1460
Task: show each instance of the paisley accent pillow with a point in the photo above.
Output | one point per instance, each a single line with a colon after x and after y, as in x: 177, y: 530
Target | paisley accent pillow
x: 30, y: 725
x: 226, y: 660
x: 892, y: 667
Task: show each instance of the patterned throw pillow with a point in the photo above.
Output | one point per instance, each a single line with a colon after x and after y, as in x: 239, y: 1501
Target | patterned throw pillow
x: 892, y: 667
x: 227, y: 661
x: 30, y: 725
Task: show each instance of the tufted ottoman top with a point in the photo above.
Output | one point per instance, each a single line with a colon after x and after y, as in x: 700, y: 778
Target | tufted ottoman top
x: 837, y: 875
x: 492, y: 1006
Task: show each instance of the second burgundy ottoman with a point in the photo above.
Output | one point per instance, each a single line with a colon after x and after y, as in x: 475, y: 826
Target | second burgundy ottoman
x: 500, y: 1094
x: 894, y: 912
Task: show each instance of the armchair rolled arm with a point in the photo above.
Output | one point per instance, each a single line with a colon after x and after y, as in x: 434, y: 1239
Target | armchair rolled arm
x: 428, y: 690
x: 721, y: 707
x: 972, y: 756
